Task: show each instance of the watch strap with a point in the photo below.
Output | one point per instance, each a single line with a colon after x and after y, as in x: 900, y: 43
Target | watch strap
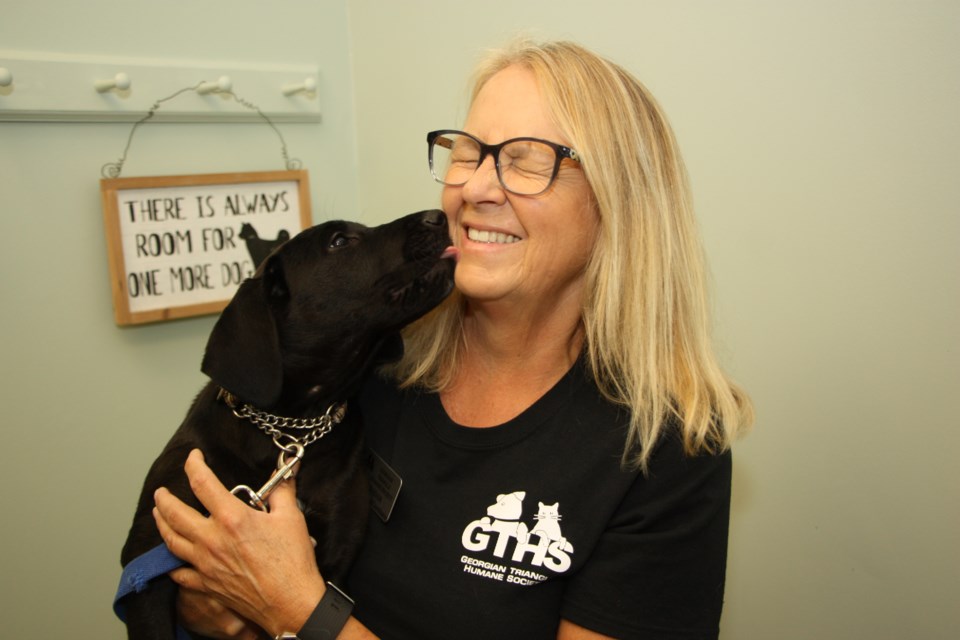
x: 329, y: 617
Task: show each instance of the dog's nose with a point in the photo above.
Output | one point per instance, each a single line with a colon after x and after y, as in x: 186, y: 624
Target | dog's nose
x: 433, y: 218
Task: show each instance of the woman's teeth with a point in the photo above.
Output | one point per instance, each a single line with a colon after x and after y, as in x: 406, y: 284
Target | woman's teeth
x: 491, y: 237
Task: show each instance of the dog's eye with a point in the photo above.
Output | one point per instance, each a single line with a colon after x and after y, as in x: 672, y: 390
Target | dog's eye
x: 339, y: 240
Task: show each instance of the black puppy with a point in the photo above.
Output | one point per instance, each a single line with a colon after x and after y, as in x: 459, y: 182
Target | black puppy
x: 294, y: 343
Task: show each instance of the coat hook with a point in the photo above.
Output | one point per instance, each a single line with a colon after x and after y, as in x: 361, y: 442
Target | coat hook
x: 6, y: 78
x: 307, y: 86
x: 224, y: 83
x: 120, y: 82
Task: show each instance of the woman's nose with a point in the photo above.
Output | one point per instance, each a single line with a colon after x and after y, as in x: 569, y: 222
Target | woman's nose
x: 484, y: 184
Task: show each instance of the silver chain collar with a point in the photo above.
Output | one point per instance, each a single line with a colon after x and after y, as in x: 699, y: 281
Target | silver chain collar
x: 272, y: 425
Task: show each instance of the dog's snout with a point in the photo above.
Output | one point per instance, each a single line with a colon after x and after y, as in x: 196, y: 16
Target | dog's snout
x: 433, y: 218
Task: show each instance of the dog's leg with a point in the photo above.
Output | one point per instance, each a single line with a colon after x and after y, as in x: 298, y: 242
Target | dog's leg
x: 152, y: 614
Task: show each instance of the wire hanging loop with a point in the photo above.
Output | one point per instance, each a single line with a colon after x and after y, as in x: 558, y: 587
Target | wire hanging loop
x: 113, y: 169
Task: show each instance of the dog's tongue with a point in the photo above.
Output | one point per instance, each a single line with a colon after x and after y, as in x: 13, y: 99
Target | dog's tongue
x: 451, y: 252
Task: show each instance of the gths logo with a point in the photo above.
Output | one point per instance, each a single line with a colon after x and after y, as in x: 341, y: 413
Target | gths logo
x: 539, y: 545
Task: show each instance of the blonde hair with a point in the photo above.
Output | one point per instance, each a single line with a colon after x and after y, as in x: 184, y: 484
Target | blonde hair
x: 645, y: 313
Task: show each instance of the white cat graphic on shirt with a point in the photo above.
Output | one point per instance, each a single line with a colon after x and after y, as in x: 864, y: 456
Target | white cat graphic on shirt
x: 548, y: 525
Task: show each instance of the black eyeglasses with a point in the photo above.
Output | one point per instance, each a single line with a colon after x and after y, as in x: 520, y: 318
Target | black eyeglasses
x: 525, y: 166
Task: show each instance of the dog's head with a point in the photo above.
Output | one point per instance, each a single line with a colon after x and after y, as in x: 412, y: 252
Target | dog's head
x: 325, y: 306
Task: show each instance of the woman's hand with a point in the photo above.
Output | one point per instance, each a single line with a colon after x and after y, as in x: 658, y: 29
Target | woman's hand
x: 259, y: 565
x: 203, y: 614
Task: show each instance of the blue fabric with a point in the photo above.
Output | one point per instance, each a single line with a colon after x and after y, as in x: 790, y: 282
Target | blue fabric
x: 138, y: 574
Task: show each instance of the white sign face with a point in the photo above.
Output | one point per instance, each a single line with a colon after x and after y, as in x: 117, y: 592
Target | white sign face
x: 191, y: 245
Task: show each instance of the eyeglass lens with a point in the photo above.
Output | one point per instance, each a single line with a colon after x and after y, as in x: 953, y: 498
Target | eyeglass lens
x: 526, y: 167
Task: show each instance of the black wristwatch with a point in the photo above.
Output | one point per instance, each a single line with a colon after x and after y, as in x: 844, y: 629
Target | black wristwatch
x: 327, y: 620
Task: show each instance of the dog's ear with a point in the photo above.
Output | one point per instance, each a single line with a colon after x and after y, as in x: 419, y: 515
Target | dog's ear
x: 243, y: 352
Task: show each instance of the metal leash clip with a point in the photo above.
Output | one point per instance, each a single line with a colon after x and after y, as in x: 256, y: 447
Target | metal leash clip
x: 285, y: 470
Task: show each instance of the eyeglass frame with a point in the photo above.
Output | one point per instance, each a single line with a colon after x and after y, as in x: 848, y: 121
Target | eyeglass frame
x: 560, y: 152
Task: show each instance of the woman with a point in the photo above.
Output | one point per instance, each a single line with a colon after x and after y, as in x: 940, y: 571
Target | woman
x: 561, y: 425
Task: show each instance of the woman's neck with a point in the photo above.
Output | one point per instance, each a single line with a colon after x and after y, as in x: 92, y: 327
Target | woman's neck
x: 510, y: 360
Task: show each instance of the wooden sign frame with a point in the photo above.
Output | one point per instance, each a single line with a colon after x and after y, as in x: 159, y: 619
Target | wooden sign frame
x: 179, y: 246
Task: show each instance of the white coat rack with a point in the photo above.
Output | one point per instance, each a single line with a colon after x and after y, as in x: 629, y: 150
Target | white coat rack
x: 44, y: 87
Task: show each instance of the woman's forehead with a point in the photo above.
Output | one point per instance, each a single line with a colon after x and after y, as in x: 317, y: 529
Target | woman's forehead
x: 510, y: 105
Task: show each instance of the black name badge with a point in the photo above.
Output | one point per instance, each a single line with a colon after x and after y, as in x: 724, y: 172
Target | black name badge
x: 384, y: 486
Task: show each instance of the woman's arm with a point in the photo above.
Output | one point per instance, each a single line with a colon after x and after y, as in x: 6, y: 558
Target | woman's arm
x: 571, y: 631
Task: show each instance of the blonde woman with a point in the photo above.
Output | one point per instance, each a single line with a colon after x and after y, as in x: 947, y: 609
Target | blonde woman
x: 560, y: 424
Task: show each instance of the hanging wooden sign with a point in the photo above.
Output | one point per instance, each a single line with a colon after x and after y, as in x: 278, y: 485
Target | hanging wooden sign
x: 179, y: 246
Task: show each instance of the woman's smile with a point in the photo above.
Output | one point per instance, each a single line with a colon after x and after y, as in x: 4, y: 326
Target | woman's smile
x: 490, y: 237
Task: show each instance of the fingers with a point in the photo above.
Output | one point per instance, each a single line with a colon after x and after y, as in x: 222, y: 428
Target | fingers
x: 181, y: 526
x: 284, y: 497
x: 205, y: 485
x: 215, y: 497
x: 175, y: 521
x: 187, y: 578
x: 207, y: 616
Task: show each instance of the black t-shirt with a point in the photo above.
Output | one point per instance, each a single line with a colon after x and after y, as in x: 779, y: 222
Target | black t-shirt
x: 500, y: 532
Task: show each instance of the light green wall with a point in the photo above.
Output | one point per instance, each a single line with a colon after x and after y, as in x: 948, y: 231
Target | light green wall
x: 821, y: 138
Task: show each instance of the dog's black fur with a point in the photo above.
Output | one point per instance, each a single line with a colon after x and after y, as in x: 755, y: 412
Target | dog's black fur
x: 296, y: 338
